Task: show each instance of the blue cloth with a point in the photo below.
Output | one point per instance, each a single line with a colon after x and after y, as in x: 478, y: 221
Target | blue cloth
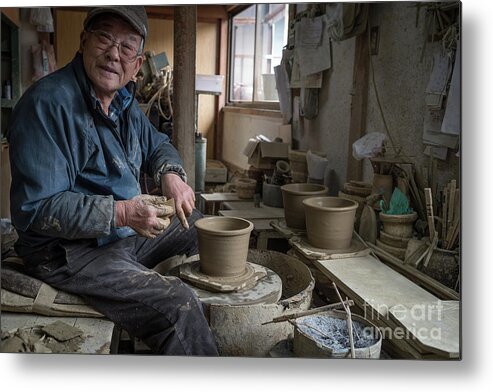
x: 70, y: 162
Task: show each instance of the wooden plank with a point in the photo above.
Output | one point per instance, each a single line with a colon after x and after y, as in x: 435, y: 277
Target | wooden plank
x: 374, y: 283
x: 435, y: 327
x: 377, y: 288
x: 416, y: 275
x: 386, y: 325
x: 359, y: 103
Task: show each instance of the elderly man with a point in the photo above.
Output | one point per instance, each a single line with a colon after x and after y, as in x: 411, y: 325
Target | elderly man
x: 78, y: 142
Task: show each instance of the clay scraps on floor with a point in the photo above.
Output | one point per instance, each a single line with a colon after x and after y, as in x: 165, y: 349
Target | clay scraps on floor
x: 57, y: 337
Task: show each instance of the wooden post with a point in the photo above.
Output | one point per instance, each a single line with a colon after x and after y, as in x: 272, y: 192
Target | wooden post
x: 221, y: 68
x: 359, y: 102
x: 185, y: 31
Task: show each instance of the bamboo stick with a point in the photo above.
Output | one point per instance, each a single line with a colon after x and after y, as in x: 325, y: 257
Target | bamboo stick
x: 444, y: 214
x: 308, y: 312
x: 348, y: 320
x: 451, y: 204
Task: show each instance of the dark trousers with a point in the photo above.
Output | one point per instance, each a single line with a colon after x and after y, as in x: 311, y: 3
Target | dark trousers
x: 118, y: 281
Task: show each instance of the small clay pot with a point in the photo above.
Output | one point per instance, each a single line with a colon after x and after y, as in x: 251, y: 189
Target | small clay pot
x: 330, y: 221
x: 293, y: 196
x: 223, y: 245
x: 398, y: 225
x: 245, y: 187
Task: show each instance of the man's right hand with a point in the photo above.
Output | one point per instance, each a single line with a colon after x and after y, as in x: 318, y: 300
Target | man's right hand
x: 146, y: 214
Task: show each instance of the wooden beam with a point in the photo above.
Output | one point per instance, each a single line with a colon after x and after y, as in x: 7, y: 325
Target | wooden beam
x: 12, y: 14
x: 359, y: 104
x: 205, y: 13
x: 185, y: 31
x: 221, y: 69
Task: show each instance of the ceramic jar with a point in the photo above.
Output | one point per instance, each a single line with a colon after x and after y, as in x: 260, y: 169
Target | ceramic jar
x: 293, y: 196
x: 330, y: 221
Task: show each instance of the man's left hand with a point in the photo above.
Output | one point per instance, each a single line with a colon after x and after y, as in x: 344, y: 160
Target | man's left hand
x: 173, y: 187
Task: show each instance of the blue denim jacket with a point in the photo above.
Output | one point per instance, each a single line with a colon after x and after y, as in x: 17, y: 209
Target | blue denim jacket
x: 70, y: 162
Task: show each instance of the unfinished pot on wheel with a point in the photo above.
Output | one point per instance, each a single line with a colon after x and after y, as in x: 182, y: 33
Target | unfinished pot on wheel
x: 330, y: 221
x: 293, y: 196
x: 223, y: 245
x: 399, y: 225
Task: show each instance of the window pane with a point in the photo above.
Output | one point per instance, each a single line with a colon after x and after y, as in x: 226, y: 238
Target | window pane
x: 272, y: 30
x: 243, y: 49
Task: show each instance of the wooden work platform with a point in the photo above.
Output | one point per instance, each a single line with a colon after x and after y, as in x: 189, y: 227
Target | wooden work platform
x: 96, y: 335
x: 415, y: 322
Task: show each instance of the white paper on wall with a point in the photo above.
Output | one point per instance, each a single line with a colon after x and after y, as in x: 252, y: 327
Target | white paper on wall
x: 283, y: 91
x: 312, y: 45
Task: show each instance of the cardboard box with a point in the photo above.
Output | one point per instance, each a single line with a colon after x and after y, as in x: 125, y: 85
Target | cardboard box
x: 263, y: 155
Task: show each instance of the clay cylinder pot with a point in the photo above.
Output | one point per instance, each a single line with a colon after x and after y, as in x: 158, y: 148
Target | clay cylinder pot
x: 223, y: 245
x: 399, y: 225
x: 245, y: 188
x: 293, y: 196
x: 330, y: 221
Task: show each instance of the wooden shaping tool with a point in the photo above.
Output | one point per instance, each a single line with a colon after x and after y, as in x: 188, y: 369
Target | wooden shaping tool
x: 429, y: 213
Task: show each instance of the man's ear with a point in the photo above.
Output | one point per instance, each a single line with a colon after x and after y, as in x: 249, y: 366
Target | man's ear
x: 83, y: 39
x: 138, y: 63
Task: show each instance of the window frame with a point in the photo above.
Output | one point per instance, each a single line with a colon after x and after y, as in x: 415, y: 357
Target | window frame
x: 251, y: 104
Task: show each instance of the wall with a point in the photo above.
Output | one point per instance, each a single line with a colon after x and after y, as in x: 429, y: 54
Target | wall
x: 328, y: 132
x: 401, y: 78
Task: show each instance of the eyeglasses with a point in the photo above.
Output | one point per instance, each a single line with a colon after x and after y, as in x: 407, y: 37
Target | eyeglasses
x: 128, y: 51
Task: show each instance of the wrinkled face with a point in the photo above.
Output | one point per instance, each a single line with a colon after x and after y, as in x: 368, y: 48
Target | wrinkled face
x: 105, y: 67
